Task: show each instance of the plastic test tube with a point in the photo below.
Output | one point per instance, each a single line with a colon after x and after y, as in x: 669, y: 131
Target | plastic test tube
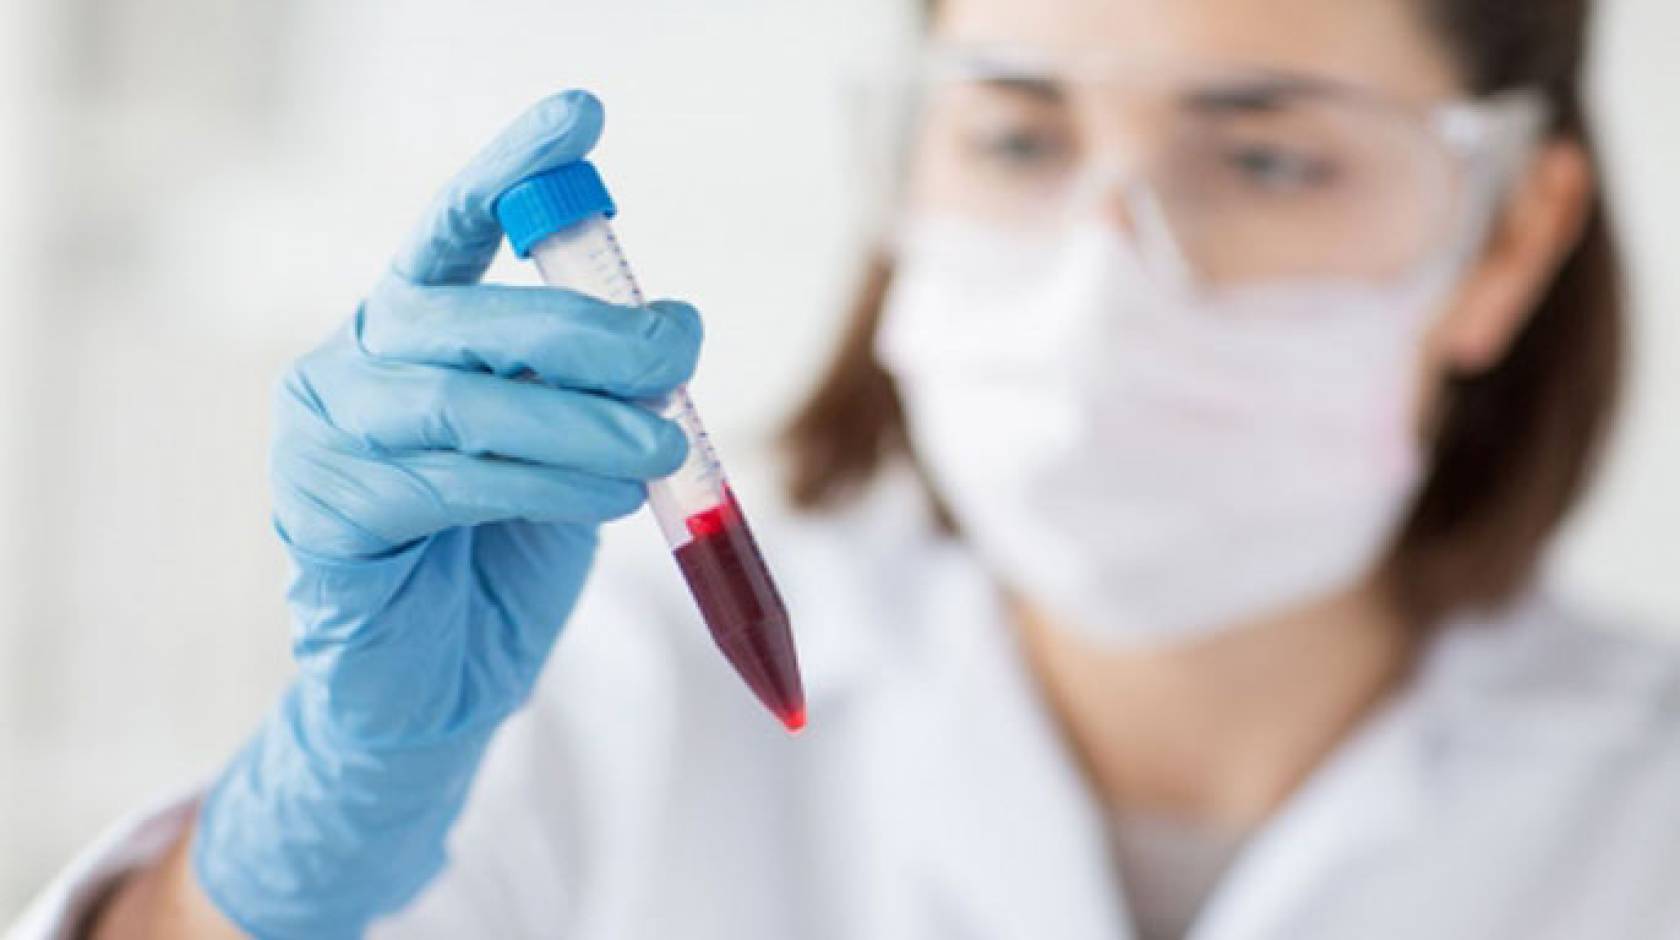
x: 559, y: 219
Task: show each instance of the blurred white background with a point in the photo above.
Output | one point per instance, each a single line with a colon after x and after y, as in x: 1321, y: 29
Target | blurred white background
x: 195, y: 191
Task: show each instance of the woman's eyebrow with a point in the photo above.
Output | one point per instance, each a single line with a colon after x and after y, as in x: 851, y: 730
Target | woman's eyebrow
x: 1253, y: 95
x: 1041, y: 90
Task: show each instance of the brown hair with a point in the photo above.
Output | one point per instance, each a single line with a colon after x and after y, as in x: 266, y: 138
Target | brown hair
x: 1513, y: 447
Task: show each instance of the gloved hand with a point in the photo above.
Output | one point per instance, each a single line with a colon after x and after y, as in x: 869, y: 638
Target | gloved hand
x: 440, y: 468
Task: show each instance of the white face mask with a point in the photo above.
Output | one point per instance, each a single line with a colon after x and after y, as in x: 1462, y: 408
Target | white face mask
x: 1145, y: 464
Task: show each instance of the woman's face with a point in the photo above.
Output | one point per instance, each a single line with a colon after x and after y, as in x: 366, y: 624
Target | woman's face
x: 1327, y: 192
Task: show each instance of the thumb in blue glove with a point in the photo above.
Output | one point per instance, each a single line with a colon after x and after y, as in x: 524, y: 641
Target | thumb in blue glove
x: 440, y: 468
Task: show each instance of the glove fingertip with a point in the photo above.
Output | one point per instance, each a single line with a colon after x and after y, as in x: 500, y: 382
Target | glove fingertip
x: 684, y: 314
x: 679, y: 335
x: 559, y: 129
x: 671, y: 449
x: 626, y: 500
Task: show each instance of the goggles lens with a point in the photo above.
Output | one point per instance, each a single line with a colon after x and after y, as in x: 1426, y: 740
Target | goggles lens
x: 1239, y: 178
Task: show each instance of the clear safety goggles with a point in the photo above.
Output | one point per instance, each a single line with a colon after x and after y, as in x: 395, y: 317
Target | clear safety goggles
x: 1225, y: 177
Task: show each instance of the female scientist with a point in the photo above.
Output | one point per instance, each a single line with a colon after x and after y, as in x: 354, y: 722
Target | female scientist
x: 1171, y: 513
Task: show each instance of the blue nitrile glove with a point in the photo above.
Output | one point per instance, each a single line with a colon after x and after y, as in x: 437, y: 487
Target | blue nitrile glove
x: 440, y: 468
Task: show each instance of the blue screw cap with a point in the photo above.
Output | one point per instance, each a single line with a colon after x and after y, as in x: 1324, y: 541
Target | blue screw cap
x: 552, y: 201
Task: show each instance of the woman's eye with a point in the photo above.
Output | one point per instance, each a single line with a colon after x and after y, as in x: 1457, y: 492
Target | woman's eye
x: 1275, y: 168
x: 1021, y: 150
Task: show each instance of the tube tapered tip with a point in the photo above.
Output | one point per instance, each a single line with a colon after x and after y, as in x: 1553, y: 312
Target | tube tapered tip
x: 794, y: 720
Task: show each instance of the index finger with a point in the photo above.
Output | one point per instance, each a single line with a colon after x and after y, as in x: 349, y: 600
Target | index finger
x: 459, y: 236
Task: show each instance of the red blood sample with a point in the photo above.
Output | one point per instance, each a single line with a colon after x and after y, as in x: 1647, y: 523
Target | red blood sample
x: 742, y: 608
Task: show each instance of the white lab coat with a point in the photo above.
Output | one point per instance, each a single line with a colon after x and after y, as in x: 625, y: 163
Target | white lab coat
x: 1527, y: 785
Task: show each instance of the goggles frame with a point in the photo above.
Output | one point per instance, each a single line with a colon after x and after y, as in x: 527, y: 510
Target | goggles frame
x: 1489, y: 139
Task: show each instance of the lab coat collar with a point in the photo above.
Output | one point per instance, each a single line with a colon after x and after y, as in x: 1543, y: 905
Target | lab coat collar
x: 1018, y: 845
x: 1367, y: 795
x: 1047, y: 870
